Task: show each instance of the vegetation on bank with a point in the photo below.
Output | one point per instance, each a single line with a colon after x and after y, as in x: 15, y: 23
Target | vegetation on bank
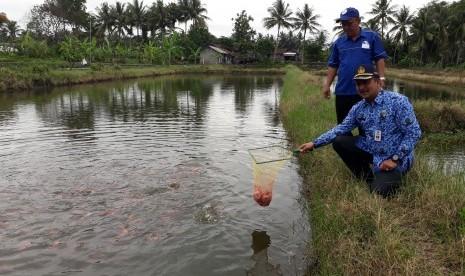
x: 158, y: 33
x: 449, y: 76
x: 37, y: 76
x: 421, y: 231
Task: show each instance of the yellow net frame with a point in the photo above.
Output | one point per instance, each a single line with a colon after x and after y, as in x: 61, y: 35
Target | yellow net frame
x: 267, y: 162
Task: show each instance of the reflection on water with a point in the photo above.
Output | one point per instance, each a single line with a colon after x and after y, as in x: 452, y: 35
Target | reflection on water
x: 424, y: 91
x: 148, y: 177
x: 450, y: 160
x: 262, y: 266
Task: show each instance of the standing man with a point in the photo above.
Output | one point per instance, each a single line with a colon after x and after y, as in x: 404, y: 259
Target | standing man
x: 349, y: 51
x: 385, y: 153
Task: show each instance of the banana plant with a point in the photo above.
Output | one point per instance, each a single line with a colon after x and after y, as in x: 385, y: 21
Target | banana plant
x: 170, y: 48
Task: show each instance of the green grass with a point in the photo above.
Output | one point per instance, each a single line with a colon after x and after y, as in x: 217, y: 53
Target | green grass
x: 37, y: 75
x: 421, y: 231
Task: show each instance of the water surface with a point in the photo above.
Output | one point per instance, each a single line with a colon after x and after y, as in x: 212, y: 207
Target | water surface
x: 146, y: 177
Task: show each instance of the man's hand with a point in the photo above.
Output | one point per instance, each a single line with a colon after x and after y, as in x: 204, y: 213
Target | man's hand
x: 307, y: 147
x: 388, y: 165
x: 326, y: 92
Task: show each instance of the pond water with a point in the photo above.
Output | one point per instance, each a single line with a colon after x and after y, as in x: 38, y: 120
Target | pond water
x: 425, y: 91
x: 147, y: 177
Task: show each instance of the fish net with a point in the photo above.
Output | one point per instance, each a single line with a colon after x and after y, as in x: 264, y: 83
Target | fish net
x: 267, y: 162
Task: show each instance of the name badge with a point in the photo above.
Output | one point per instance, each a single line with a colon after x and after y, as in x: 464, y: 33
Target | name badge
x: 378, y: 136
x: 365, y: 45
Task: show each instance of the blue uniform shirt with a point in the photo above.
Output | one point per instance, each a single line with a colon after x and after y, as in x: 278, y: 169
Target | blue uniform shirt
x: 390, y: 128
x: 347, y: 55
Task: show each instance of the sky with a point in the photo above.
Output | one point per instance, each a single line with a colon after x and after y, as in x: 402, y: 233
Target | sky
x: 221, y: 12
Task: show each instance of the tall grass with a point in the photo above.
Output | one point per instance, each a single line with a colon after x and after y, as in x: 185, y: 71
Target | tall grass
x: 421, y: 231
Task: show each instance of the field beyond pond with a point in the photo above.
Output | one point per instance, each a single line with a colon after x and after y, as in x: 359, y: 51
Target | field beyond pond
x: 42, y: 75
x: 421, y: 231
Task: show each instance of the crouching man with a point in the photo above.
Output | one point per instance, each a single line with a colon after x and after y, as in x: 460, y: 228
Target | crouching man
x: 385, y: 153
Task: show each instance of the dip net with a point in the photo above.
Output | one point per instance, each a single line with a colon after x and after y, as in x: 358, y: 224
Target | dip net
x: 267, y: 162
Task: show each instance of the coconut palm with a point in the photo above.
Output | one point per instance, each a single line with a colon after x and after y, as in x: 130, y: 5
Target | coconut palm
x: 184, y: 14
x: 304, y: 21
x: 137, y: 14
x: 119, y: 18
x: 422, y: 33
x: 159, y: 18
x: 197, y: 12
x: 383, y: 11
x: 12, y: 29
x: 280, y: 15
x: 105, y: 19
x: 457, y: 20
x: 403, y: 20
x: 441, y: 29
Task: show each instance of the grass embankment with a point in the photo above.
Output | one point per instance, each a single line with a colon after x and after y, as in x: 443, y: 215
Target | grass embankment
x: 421, y: 231
x: 453, y: 77
x: 36, y: 76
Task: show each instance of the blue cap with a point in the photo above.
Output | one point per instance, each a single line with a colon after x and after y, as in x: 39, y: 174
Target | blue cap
x: 366, y: 72
x: 348, y: 14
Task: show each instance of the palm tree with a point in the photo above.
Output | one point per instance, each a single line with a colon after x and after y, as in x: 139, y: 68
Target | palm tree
x: 422, y: 33
x: 137, y: 13
x: 105, y: 19
x: 280, y: 15
x: 457, y: 19
x: 159, y: 18
x: 12, y: 29
x: 197, y: 11
x: 403, y: 20
x: 382, y: 10
x: 119, y: 18
x: 184, y: 14
x: 306, y: 20
x: 441, y: 25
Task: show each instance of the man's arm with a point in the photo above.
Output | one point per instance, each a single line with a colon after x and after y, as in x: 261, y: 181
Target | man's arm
x: 331, y: 74
x: 380, y: 67
x: 408, y: 124
x: 328, y: 137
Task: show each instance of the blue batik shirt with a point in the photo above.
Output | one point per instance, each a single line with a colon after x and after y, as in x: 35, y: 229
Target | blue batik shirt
x: 390, y: 128
x: 347, y: 55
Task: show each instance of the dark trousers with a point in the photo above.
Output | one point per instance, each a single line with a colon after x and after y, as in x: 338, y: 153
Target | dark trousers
x: 384, y: 183
x: 343, y: 106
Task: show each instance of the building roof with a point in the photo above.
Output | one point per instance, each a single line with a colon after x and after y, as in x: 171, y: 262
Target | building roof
x: 220, y: 50
x: 289, y: 54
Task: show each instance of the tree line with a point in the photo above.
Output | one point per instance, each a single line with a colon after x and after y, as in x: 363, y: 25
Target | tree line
x: 177, y: 31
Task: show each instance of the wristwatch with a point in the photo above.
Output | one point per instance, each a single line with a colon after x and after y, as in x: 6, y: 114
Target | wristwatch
x: 395, y: 158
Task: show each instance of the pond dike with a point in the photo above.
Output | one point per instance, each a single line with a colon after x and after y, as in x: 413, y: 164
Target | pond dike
x: 419, y: 231
x: 34, y: 77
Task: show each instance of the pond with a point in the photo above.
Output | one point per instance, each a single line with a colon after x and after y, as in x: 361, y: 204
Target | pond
x: 147, y: 177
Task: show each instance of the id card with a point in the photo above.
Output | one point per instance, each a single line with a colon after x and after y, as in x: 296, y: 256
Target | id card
x: 378, y: 136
